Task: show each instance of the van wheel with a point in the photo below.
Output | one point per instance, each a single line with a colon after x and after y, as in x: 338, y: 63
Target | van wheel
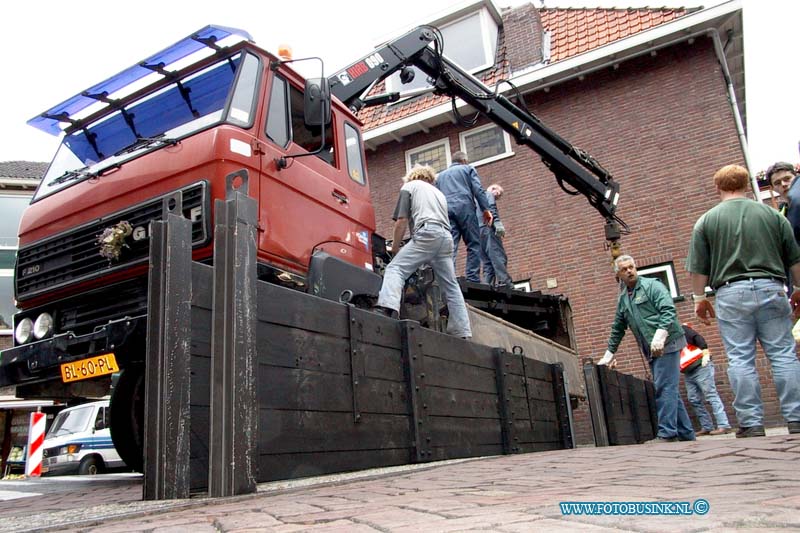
x: 127, y: 416
x: 90, y: 466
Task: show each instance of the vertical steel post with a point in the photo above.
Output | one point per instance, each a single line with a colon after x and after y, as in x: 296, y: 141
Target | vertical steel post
x: 168, y: 380
x: 233, y: 439
x: 595, y: 397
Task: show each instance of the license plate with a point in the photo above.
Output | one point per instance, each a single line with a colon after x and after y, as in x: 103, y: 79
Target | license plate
x: 99, y: 365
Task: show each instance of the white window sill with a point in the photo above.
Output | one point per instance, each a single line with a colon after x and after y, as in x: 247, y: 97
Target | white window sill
x: 492, y: 159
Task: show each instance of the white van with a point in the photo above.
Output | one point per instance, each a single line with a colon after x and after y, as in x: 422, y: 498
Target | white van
x: 79, y: 440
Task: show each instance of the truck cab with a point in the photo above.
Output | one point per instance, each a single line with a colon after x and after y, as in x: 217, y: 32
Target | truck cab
x: 169, y: 135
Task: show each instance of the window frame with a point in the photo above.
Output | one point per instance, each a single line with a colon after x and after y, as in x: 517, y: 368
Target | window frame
x: 524, y: 285
x: 507, y: 152
x: 672, y: 278
x: 490, y: 55
x: 416, y: 149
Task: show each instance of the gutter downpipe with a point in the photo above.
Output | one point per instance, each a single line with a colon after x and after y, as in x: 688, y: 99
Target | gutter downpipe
x: 735, y: 108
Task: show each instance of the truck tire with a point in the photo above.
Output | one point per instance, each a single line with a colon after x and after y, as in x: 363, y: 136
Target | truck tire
x: 127, y: 416
x: 90, y: 466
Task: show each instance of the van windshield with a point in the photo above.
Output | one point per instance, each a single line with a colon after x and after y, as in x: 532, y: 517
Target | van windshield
x: 71, y: 421
x: 155, y: 120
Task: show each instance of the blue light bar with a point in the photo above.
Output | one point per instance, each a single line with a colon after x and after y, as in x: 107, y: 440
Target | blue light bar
x: 48, y: 121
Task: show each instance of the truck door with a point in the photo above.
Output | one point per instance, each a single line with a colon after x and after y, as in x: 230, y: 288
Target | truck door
x: 305, y: 205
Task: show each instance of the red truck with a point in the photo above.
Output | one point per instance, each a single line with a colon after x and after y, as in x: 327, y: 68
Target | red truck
x: 186, y: 119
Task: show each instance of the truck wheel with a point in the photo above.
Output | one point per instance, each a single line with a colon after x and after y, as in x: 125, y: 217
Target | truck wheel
x: 127, y: 416
x: 90, y: 466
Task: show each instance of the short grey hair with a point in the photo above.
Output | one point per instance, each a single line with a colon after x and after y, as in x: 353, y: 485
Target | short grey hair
x: 460, y: 157
x: 622, y: 259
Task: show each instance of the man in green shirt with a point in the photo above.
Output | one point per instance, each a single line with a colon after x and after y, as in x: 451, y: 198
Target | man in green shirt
x: 645, y: 306
x: 742, y: 249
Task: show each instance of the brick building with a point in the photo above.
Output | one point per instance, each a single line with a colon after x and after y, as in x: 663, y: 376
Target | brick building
x: 655, y: 95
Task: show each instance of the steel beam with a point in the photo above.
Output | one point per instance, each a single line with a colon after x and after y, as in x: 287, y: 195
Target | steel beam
x: 233, y: 442
x: 168, y: 380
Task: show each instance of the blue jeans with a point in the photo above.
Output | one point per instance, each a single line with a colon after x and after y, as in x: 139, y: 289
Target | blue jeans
x: 700, y: 387
x: 431, y: 244
x: 464, y: 224
x: 753, y: 310
x: 673, y: 420
x: 493, y: 258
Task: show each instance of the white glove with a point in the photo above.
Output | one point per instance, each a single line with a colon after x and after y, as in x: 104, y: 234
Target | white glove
x: 609, y: 359
x: 706, y: 357
x: 657, y: 344
x: 499, y: 229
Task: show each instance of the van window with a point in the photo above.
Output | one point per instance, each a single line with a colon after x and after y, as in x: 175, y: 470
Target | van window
x: 355, y: 164
x: 100, y: 421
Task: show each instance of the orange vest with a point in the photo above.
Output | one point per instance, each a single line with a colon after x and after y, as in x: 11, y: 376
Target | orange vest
x: 691, y: 357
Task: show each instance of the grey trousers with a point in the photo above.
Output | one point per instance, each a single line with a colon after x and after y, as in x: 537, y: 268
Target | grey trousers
x: 431, y: 244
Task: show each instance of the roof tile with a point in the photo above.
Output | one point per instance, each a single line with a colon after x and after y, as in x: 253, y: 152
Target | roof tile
x: 573, y: 31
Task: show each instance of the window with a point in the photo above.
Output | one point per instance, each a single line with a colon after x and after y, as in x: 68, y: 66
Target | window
x: 286, y: 121
x: 12, y: 207
x: 309, y: 137
x: 485, y: 144
x: 665, y: 273
x: 523, y: 285
x: 470, y: 42
x: 278, y: 114
x: 243, y: 100
x: 355, y: 165
x: 435, y: 154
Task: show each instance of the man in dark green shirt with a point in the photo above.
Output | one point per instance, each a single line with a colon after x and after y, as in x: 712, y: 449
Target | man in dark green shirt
x: 742, y: 249
x: 645, y: 306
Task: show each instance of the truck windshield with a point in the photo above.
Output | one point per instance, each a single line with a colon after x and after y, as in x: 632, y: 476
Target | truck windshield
x: 158, y: 119
x: 71, y: 421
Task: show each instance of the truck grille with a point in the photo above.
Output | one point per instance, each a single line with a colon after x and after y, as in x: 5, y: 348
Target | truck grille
x: 74, y: 256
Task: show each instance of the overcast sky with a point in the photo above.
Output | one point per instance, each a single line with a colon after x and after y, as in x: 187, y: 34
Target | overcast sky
x: 55, y: 49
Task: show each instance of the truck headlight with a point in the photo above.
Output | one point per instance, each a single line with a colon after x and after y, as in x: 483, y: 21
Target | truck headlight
x: 24, y: 331
x: 43, y: 326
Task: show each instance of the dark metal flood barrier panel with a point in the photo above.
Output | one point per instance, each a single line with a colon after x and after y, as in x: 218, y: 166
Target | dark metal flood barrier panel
x: 623, y: 407
x: 340, y: 389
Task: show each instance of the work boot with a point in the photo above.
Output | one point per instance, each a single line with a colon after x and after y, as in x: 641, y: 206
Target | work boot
x: 794, y: 427
x: 752, y: 431
x: 385, y: 311
x: 704, y: 432
x: 720, y: 431
x: 659, y: 440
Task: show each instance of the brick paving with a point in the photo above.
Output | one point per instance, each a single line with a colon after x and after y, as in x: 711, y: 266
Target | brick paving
x: 750, y: 484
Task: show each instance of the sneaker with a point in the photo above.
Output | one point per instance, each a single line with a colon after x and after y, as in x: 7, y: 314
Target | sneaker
x: 720, y: 431
x: 704, y: 432
x: 794, y: 427
x: 659, y: 440
x: 752, y: 431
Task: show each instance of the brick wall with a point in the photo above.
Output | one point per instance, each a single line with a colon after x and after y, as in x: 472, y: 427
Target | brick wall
x: 662, y: 126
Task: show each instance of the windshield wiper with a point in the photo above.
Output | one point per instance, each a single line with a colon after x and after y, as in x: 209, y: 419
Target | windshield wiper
x: 70, y: 175
x: 82, y: 173
x: 144, y: 142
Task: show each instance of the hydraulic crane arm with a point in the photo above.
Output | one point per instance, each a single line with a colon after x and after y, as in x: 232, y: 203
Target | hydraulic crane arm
x: 569, y: 164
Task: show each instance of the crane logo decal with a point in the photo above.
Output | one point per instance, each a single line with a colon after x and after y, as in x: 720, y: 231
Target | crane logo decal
x: 363, y: 66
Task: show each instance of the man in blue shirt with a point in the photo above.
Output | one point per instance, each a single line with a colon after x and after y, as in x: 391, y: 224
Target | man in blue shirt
x: 493, y: 257
x: 462, y: 188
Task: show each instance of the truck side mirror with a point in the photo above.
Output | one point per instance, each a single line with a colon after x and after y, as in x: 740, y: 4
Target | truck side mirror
x: 317, y: 102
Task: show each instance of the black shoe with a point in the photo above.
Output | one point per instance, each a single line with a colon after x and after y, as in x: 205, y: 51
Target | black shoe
x: 659, y: 440
x: 753, y: 431
x: 794, y: 427
x: 385, y: 311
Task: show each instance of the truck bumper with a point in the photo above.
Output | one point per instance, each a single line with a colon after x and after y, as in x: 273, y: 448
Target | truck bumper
x: 42, y: 360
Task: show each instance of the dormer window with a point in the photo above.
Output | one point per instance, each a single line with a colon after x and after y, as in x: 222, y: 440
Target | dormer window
x: 470, y: 42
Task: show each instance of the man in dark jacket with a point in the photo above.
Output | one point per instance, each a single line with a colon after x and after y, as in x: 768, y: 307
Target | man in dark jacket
x: 645, y: 306
x: 462, y: 189
x: 493, y: 253
x: 698, y: 375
